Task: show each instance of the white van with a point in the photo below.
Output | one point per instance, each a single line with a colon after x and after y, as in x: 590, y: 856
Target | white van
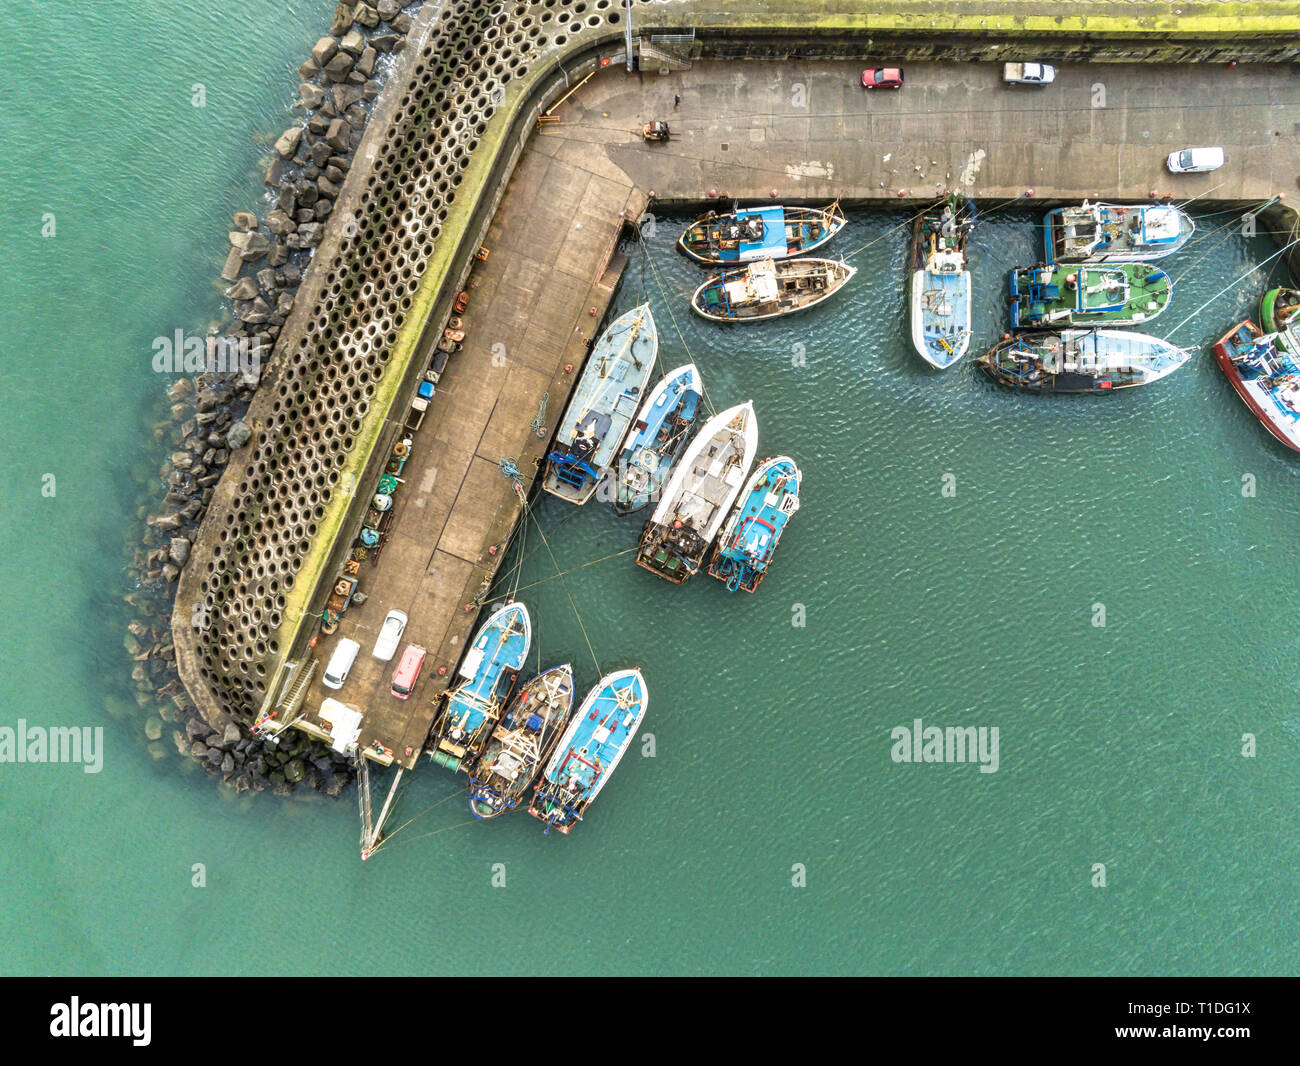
x: 345, y: 654
x: 1195, y: 160
x: 390, y: 635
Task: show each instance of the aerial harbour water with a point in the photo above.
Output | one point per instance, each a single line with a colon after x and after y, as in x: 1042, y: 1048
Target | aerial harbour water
x: 1095, y: 585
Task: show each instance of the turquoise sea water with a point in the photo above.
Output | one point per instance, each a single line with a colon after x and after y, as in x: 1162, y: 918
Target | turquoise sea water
x: 1118, y: 745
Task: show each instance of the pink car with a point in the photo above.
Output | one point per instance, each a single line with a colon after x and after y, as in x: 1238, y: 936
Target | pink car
x: 883, y: 78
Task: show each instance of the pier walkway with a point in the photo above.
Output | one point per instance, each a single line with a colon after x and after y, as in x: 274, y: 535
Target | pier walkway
x: 550, y: 249
x: 808, y: 130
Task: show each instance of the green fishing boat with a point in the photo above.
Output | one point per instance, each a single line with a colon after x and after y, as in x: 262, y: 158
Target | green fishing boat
x: 1279, y: 312
x: 1110, y: 294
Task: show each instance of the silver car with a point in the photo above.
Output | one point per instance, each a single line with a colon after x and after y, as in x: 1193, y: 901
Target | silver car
x: 390, y: 635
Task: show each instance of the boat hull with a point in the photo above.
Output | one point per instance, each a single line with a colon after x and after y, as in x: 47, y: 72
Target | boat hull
x: 1078, y: 361
x: 713, y: 300
x: 657, y: 437
x: 939, y: 294
x: 529, y: 729
x: 937, y: 349
x: 754, y: 233
x: 1115, y: 220
x: 1082, y: 296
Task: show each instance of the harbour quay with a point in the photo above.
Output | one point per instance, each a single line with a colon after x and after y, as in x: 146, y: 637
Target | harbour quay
x: 481, y: 233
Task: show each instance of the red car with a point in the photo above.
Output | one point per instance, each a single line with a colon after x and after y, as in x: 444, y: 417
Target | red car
x: 883, y: 78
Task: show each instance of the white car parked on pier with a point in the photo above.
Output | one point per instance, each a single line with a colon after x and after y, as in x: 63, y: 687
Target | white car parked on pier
x: 390, y: 635
x: 1195, y: 160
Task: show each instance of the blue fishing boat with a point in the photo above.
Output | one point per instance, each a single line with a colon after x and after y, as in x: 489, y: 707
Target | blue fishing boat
x: 745, y: 546
x: 521, y: 743
x: 488, y: 672
x: 597, y: 738
x: 657, y: 438
x: 752, y: 233
x: 941, y: 287
x: 604, y: 402
x: 1114, y: 233
x: 1266, y: 379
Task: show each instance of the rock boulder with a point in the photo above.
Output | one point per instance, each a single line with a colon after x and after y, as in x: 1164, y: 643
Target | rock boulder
x: 287, y: 143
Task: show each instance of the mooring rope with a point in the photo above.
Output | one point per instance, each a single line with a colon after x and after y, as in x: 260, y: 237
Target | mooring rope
x: 538, y: 424
x: 576, y: 613
x: 1235, y: 281
x: 389, y: 836
x: 704, y: 392
x: 575, y: 569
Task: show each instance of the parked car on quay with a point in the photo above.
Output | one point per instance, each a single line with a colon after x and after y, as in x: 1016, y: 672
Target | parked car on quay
x: 883, y: 78
x: 1195, y: 160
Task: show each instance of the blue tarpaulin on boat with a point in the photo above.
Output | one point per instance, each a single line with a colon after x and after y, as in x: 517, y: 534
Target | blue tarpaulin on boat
x: 773, y: 242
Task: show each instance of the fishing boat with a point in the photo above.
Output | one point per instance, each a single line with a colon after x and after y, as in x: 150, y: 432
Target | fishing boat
x: 769, y: 288
x: 1114, y: 233
x: 590, y: 749
x: 656, y: 438
x: 751, y: 233
x: 699, y: 495
x: 1073, y: 360
x: 1279, y: 310
x: 1056, y: 295
x: 1268, y: 380
x: 602, y: 407
x: 488, y: 672
x: 521, y: 743
x: 940, y: 287
x: 745, y: 546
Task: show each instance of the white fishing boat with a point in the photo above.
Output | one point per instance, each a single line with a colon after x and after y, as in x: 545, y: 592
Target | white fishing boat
x: 769, y: 289
x: 657, y: 438
x: 699, y: 495
x: 1114, y: 233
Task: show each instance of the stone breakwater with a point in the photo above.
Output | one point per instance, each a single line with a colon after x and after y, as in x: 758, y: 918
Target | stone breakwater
x: 267, y: 260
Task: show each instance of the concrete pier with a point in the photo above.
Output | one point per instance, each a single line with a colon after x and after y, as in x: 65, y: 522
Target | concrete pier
x: 454, y: 159
x: 529, y: 316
